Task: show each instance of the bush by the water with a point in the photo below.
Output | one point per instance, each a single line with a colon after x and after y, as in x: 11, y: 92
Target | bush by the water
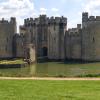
x: 89, y: 75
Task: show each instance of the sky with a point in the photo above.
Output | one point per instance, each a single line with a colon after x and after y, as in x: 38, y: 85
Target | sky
x: 72, y: 9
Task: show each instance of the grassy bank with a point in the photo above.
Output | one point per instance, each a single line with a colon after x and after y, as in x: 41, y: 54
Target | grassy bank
x: 18, y: 61
x: 49, y: 90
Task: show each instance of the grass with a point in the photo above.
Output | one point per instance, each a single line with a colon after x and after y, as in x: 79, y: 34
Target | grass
x: 49, y: 90
x: 18, y: 61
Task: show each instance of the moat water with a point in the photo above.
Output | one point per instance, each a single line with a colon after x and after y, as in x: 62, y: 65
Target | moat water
x: 55, y: 69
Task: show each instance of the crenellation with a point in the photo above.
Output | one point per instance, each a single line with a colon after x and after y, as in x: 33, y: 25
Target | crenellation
x: 79, y: 26
x: 63, y: 20
x: 57, y: 20
x: 13, y: 20
x: 91, y: 18
x: 84, y: 16
x: 97, y: 18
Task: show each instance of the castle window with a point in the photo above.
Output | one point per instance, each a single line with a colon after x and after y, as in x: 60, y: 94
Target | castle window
x: 75, y: 32
x: 93, y: 40
x: 71, y: 32
x: 30, y: 31
x: 6, y: 48
x: 31, y: 24
x: 7, y: 39
x: 54, y: 27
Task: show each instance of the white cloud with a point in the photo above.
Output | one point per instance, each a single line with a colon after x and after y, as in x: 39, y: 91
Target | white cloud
x: 63, y: 1
x: 17, y: 8
x: 43, y: 11
x: 54, y: 9
x: 92, y: 6
x: 55, y: 12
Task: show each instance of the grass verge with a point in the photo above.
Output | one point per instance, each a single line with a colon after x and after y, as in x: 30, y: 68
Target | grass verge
x: 49, y: 90
x: 7, y: 62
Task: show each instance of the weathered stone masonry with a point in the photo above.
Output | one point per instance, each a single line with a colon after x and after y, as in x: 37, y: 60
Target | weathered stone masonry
x: 45, y: 37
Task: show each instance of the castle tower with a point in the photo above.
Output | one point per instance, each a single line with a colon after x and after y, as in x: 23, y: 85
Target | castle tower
x: 13, y: 22
x: 57, y: 28
x: 47, y: 35
x: 7, y: 30
x: 84, y: 18
x: 62, y: 30
x: 42, y: 36
x: 88, y: 37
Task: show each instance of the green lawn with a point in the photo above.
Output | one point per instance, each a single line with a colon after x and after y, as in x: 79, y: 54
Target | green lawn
x: 49, y: 90
x: 17, y: 61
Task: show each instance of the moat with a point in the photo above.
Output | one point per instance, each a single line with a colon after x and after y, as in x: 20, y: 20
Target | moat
x: 53, y: 69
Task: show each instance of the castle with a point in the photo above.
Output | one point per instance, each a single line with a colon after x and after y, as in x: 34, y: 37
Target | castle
x: 48, y: 38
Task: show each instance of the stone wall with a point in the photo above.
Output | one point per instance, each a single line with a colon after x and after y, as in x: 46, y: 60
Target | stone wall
x: 73, y: 43
x: 18, y: 47
x: 91, y: 39
x: 53, y: 41
x: 7, y: 30
x: 47, y: 35
x: 57, y: 28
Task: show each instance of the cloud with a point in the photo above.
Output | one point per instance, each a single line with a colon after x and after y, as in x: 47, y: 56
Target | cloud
x: 43, y: 11
x: 17, y: 8
x: 63, y: 1
x: 92, y: 6
x: 54, y: 9
x: 55, y: 12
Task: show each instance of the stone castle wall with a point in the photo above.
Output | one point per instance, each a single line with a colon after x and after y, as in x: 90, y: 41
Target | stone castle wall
x: 57, y: 28
x: 18, y: 46
x: 47, y: 34
x: 7, y: 30
x: 48, y: 37
x: 90, y: 38
x: 73, y: 44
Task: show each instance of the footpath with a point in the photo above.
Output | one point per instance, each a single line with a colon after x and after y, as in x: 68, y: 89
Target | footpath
x: 47, y: 78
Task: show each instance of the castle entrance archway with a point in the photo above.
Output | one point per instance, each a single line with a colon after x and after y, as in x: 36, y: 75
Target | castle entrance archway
x: 45, y: 51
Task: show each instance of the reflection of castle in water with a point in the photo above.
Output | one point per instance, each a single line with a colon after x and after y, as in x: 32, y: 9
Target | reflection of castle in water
x: 49, y: 38
x: 54, y: 69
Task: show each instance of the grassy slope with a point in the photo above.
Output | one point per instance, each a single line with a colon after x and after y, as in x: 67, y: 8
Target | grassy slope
x: 20, y: 61
x: 49, y: 90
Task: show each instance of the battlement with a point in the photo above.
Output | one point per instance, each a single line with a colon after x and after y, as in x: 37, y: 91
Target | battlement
x: 42, y: 16
x: 97, y: 18
x: 4, y: 21
x: 28, y: 20
x: 63, y: 20
x: 91, y: 18
x: 94, y: 18
x: 57, y: 20
x: 22, y: 27
x: 86, y: 18
x: 12, y: 20
x: 51, y: 20
x: 74, y: 31
x: 44, y: 19
x: 78, y: 26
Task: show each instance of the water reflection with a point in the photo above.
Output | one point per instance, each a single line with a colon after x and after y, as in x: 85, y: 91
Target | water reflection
x: 53, y: 69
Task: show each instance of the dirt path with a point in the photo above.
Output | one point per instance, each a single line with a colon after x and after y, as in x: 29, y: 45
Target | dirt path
x: 46, y: 78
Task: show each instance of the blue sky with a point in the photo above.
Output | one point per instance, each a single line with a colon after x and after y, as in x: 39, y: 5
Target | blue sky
x: 72, y: 9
